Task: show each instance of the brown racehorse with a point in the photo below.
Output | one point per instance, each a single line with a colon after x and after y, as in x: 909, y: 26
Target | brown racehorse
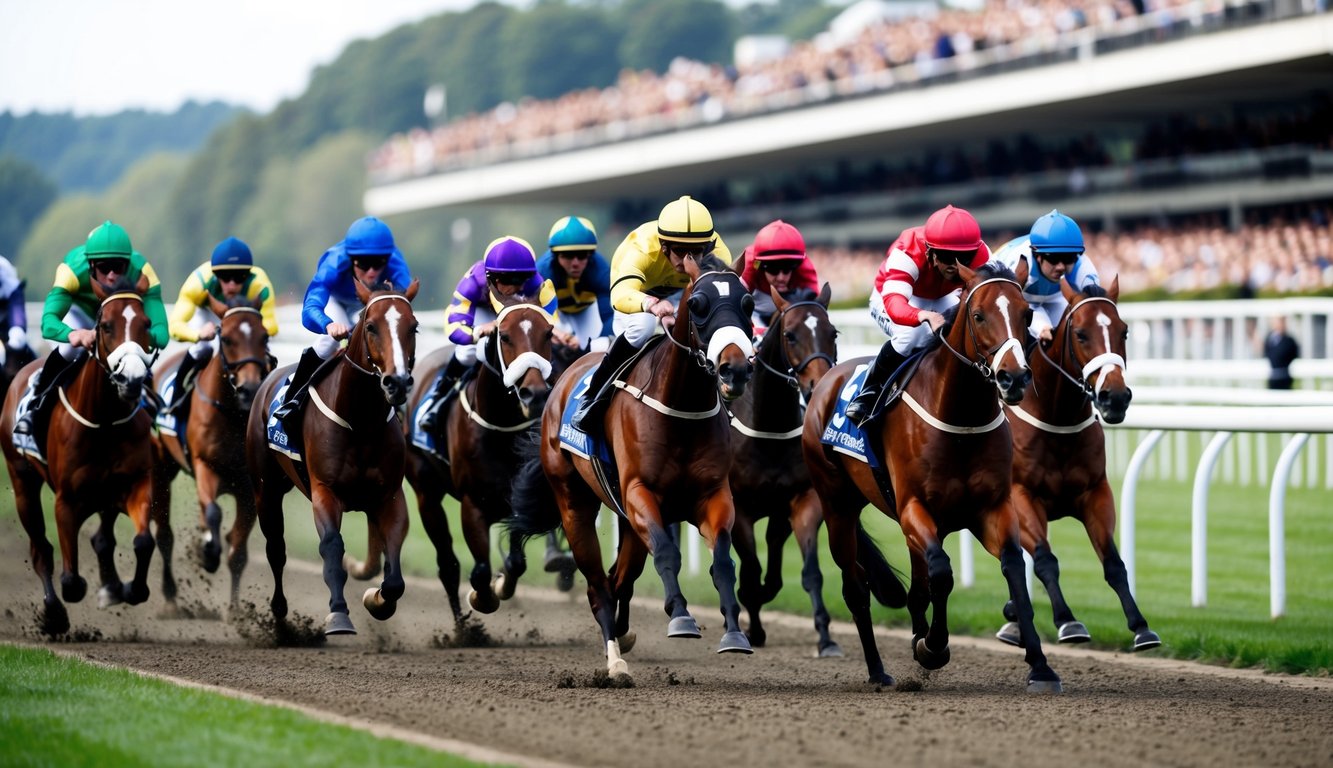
x: 948, y: 454
x: 354, y: 453
x: 768, y: 473
x: 215, y: 438
x: 670, y: 440
x: 98, y: 458
x: 1060, y: 451
x: 479, y: 428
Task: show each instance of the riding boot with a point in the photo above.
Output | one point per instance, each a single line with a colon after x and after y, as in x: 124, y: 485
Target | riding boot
x: 186, y: 373
x: 589, y: 415
x: 310, y: 362
x: 442, y: 392
x: 42, y: 384
x: 884, y: 366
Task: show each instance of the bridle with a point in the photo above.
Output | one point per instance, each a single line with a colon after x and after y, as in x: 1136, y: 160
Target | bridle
x: 792, y: 370
x: 371, y: 368
x: 112, y: 359
x: 509, y: 372
x: 985, y: 364
x: 692, y: 350
x: 231, y: 367
x: 1098, y: 363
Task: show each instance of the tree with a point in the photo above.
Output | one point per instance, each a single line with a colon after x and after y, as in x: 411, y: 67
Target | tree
x: 555, y: 48
x: 656, y: 33
x: 26, y: 193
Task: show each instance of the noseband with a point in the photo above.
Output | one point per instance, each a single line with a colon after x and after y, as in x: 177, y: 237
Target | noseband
x: 230, y: 367
x: 986, y: 369
x: 1096, y: 364
x: 502, y: 369
x: 696, y: 354
x: 107, y: 363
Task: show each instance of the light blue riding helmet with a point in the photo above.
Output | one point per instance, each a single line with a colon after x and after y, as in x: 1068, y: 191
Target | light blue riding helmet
x: 1056, y: 233
x: 572, y: 233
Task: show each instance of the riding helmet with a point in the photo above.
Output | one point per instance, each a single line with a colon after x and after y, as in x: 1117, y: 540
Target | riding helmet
x: 509, y: 254
x: 108, y: 241
x: 368, y: 236
x: 572, y: 233
x: 952, y: 229
x: 685, y: 220
x: 232, y: 254
x: 778, y: 241
x: 1056, y: 233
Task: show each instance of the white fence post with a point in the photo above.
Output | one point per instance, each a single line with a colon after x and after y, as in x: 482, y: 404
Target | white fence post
x: 1199, y: 521
x: 1277, y: 544
x: 1129, y: 494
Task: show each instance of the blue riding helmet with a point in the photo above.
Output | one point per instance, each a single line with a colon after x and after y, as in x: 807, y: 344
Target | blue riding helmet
x: 232, y: 254
x: 572, y: 233
x: 1056, y: 233
x: 509, y: 254
x: 368, y: 236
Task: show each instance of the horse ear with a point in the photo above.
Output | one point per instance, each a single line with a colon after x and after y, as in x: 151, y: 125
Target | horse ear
x: 411, y: 292
x: 141, y: 287
x: 362, y: 291
x: 692, y: 268
x: 825, y: 296
x: 219, y: 308
x: 1113, y: 292
x: 256, y: 303
x: 1022, y: 271
x: 1068, y: 290
x: 966, y: 273
x: 99, y: 290
x: 778, y: 301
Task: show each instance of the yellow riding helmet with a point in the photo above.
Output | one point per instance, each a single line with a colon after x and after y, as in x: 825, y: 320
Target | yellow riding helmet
x: 685, y: 220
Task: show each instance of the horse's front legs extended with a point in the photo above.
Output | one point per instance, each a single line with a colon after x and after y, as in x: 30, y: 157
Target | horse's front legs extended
x: 644, y: 516
x: 477, y: 534
x: 138, y: 508
x: 806, y: 518
x: 932, y: 581
x: 1099, y: 520
x: 328, y: 511
x: 1041, y: 678
x: 718, y: 516
x: 210, y: 516
x: 72, y: 586
x: 391, y: 522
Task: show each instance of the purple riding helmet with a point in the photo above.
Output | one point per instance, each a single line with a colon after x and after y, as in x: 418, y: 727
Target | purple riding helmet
x: 509, y: 255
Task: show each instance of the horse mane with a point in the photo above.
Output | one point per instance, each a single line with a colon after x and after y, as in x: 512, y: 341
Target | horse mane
x: 1092, y: 290
x: 238, y: 300
x: 711, y: 262
x: 995, y: 269
x: 122, y: 285
x: 801, y: 294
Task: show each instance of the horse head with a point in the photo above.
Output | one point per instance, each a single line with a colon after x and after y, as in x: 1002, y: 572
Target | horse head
x: 1091, y: 340
x: 242, y: 346
x: 522, y: 350
x: 716, y: 308
x: 809, y: 341
x: 123, y: 337
x: 384, y: 342
x: 988, y: 330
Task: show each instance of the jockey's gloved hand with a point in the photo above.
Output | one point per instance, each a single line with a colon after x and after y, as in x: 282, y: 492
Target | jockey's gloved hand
x: 18, y: 338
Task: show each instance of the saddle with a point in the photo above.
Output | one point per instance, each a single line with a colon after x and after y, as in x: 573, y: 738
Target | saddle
x: 896, y: 384
x: 34, y: 445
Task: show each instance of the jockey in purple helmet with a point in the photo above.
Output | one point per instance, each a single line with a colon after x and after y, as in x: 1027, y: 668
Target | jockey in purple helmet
x: 509, y: 268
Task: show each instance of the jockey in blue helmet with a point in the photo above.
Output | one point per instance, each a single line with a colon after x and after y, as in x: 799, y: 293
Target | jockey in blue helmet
x: 1054, y: 250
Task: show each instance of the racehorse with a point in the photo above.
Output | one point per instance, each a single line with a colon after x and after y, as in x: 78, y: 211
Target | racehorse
x: 98, y: 458
x: 212, y: 448
x: 354, y: 452
x: 947, y: 456
x: 477, y: 431
x: 768, y: 473
x: 1060, y: 451
x: 671, y: 446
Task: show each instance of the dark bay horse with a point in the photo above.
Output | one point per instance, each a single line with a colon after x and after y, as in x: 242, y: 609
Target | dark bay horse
x: 670, y: 439
x: 768, y: 474
x: 479, y: 430
x: 948, y: 454
x: 354, y: 453
x: 212, y: 449
x: 1060, y: 452
x: 98, y: 459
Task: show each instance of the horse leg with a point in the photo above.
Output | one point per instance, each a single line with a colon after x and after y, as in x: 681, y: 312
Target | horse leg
x: 210, y: 516
x: 365, y: 570
x: 477, y: 535
x: 72, y: 586
x: 238, y: 538
x: 1034, y: 536
x: 1099, y: 520
x: 515, y: 565
x: 431, y: 508
x: 160, y: 512
x: 28, y: 500
x: 717, y: 521
x: 560, y: 562
x: 268, y: 504
x: 932, y: 582
x: 104, y: 546
x: 626, y: 570
x: 779, y: 530
x: 328, y: 511
x: 855, y: 585
x: 805, y: 519
x: 1002, y: 541
x: 391, y: 525
x: 137, y: 508
x: 750, y: 589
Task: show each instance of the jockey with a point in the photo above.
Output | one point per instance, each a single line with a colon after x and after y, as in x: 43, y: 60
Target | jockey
x: 367, y: 255
x: 916, y: 283
x: 647, y: 276
x: 1053, y: 250
x: 110, y: 259
x: 508, y: 268
x: 13, y: 310
x: 776, y: 258
x: 229, y: 273
x: 582, y: 279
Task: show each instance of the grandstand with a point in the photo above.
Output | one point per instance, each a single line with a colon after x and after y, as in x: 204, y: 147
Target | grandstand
x: 1126, y: 120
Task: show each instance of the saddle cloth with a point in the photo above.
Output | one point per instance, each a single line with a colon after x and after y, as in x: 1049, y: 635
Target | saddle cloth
x: 422, y: 438
x: 841, y: 434
x: 278, y: 439
x: 26, y: 444
x: 166, y: 421
x: 575, y: 440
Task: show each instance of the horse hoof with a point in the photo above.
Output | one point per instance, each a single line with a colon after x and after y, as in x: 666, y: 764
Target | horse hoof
x: 133, y: 594
x: 564, y: 581
x: 883, y: 679
x: 1010, y: 634
x: 361, y: 571
x: 559, y: 562
x: 1073, y: 632
x: 617, y: 669
x: 684, y: 626
x: 1146, y: 640
x: 831, y: 651
x: 279, y: 607
x: 1045, y: 686
x: 481, y: 604
x: 377, y: 606
x: 627, y: 641
x: 338, y: 624
x: 110, y: 594
x: 757, y: 636
x: 504, y: 586
x: 734, y: 642
x: 55, y: 619
x: 73, y: 589
x: 927, y: 658
x: 212, y: 556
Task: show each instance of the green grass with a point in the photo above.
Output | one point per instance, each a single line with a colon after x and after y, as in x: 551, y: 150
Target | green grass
x: 61, y: 711
x: 1234, y: 627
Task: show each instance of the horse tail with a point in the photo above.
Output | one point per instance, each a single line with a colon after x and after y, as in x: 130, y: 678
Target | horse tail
x: 532, y: 503
x: 886, y: 582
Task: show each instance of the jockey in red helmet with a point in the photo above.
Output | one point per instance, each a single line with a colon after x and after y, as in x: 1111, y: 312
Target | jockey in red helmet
x: 776, y: 258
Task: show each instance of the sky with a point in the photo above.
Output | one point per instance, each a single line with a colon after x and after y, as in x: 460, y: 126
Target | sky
x: 95, y: 57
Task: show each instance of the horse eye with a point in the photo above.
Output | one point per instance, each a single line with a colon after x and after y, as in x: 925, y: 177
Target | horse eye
x: 416, y: 328
x: 370, y: 328
x: 789, y: 336
x: 226, y: 342
x: 1081, y: 336
x: 106, y: 327
x: 550, y: 332
x: 1124, y: 334
x: 978, y: 317
x: 1027, y: 317
x: 504, y: 338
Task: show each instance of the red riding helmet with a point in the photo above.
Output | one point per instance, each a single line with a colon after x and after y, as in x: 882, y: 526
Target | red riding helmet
x: 952, y: 229
x: 779, y: 241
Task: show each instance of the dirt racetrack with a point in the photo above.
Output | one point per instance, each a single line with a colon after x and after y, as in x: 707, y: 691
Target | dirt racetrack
x: 535, y: 693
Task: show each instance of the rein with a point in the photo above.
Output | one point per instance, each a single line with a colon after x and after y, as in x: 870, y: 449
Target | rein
x: 987, y: 370
x: 230, y: 367
x: 792, y: 370
x: 1098, y: 363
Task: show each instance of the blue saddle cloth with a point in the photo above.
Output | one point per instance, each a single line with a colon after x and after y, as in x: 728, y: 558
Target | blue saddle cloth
x: 25, y: 443
x: 422, y: 438
x: 166, y: 422
x: 575, y: 440
x: 841, y: 434
x: 278, y: 439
